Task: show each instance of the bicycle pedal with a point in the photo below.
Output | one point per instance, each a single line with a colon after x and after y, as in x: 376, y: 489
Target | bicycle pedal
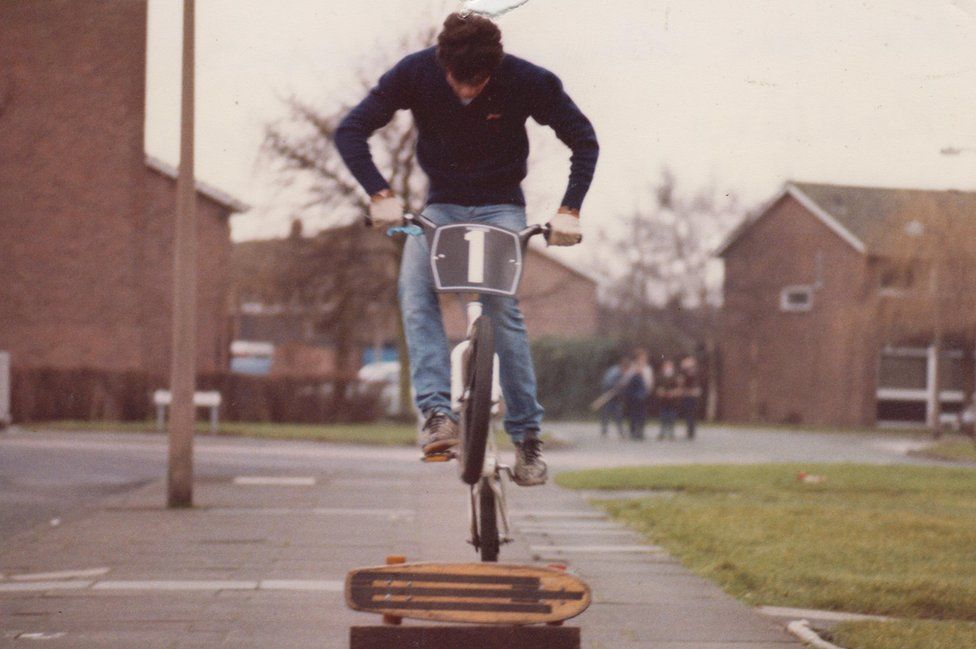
x: 446, y: 456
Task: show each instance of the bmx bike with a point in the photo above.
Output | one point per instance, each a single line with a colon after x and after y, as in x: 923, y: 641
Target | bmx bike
x: 483, y: 260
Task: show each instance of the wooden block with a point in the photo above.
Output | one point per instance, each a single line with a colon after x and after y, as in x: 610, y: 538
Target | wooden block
x: 464, y: 637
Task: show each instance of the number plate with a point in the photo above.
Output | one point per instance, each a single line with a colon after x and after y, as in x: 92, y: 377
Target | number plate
x: 474, y: 258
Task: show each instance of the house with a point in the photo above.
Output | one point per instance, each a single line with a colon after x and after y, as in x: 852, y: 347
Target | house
x: 270, y: 306
x: 86, y: 218
x: 811, y: 282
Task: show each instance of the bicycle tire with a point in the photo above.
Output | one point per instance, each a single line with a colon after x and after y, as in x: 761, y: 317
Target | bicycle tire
x: 488, y: 523
x: 476, y: 408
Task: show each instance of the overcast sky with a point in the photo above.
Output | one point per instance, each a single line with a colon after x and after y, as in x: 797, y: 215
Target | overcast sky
x: 741, y: 94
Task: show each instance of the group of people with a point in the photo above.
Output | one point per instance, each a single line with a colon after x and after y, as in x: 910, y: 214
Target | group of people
x: 630, y: 386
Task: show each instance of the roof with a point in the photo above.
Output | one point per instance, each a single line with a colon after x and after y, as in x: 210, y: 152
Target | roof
x: 211, y: 192
x: 865, y: 217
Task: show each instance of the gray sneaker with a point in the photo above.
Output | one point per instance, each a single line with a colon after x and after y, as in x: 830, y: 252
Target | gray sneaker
x: 440, y: 433
x: 530, y: 468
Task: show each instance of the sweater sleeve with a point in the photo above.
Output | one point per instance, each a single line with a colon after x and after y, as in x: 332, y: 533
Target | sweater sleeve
x: 553, y: 107
x: 374, y: 112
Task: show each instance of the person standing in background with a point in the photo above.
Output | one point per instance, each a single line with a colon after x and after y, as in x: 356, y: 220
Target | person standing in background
x: 667, y: 394
x: 613, y: 410
x: 638, y: 384
x: 690, y: 391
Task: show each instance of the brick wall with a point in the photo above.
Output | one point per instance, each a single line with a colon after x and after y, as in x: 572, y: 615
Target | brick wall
x: 556, y: 302
x: 815, y: 367
x: 85, y: 243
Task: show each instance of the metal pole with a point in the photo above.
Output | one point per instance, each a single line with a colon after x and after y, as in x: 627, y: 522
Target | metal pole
x: 183, y: 367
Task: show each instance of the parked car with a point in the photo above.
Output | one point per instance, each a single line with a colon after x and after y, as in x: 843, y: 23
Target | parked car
x: 387, y: 374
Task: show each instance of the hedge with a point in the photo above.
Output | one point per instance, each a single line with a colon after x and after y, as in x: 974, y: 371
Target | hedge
x: 47, y: 394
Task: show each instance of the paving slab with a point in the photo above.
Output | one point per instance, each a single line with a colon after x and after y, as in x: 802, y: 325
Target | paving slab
x: 258, y: 565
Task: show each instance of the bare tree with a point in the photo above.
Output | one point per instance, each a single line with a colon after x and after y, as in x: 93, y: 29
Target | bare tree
x: 301, y: 149
x: 663, y: 269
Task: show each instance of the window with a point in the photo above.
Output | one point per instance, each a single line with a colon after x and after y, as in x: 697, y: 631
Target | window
x: 796, y: 299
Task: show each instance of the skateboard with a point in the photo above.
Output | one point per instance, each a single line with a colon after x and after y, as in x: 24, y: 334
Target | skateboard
x: 475, y: 593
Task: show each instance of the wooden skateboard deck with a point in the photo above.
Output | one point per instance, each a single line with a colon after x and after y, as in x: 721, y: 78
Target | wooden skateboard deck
x: 476, y: 593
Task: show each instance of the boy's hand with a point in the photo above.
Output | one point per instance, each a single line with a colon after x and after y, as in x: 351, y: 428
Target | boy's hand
x: 385, y: 210
x: 565, y: 228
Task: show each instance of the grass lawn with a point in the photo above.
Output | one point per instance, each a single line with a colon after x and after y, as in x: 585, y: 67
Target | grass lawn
x: 382, y: 434
x: 953, y: 449
x: 386, y: 434
x: 905, y: 634
x: 897, y: 541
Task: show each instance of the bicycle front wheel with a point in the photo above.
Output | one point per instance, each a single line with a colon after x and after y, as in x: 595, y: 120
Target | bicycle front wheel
x: 488, y: 522
x: 476, y: 406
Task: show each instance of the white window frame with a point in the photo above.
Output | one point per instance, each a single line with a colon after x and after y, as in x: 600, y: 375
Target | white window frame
x: 789, y: 307
x: 924, y: 395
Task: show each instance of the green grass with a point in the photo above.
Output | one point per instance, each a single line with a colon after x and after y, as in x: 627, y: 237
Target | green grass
x: 384, y: 434
x: 905, y: 634
x: 897, y: 541
x: 381, y: 434
x: 960, y: 450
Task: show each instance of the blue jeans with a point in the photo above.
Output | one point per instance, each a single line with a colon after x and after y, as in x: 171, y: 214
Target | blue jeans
x: 428, y: 345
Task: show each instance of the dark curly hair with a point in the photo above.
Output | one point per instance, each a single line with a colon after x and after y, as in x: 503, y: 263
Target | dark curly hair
x: 469, y: 47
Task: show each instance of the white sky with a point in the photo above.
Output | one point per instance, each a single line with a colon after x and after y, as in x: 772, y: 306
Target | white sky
x: 742, y: 94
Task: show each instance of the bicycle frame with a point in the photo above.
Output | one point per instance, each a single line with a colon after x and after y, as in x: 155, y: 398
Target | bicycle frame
x: 491, y: 470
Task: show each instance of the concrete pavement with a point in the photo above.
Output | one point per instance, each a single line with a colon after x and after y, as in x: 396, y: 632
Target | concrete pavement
x: 259, y: 564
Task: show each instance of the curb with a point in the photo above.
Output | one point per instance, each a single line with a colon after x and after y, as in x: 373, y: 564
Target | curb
x: 801, y: 629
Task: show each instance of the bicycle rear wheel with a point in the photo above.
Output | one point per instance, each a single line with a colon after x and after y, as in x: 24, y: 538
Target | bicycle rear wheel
x: 488, y: 522
x: 476, y: 406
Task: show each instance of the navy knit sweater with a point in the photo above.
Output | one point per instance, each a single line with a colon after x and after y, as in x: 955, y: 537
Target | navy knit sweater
x: 474, y: 154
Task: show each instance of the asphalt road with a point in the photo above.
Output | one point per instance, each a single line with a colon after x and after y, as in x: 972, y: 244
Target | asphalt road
x: 47, y: 478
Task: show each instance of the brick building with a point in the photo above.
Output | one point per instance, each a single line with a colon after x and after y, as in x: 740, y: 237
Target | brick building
x: 86, y: 219
x: 807, y: 282
x: 557, y: 301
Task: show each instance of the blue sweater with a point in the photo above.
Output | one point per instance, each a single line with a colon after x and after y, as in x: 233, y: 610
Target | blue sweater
x: 474, y: 154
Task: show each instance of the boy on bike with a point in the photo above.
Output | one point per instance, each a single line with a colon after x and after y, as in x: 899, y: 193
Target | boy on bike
x: 470, y: 102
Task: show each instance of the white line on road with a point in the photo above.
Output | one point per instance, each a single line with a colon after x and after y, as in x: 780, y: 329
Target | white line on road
x: 306, y: 585
x: 31, y: 586
x: 274, y: 481
x: 601, y: 549
x: 63, y: 574
x: 324, y: 511
x: 575, y: 514
x: 566, y: 525
x: 302, y: 584
x: 570, y: 532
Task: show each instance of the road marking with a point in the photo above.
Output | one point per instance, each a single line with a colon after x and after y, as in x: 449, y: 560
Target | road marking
x: 176, y: 585
x: 566, y: 532
x: 566, y: 525
x: 601, y: 549
x: 302, y: 584
x: 324, y: 511
x: 41, y: 636
x: 30, y: 586
x: 306, y: 585
x: 278, y: 481
x: 64, y: 574
x: 581, y: 515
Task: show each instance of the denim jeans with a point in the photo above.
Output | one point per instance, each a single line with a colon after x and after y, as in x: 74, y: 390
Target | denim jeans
x: 428, y: 345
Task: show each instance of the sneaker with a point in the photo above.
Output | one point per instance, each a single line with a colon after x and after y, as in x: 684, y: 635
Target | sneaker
x: 440, y: 433
x: 530, y: 468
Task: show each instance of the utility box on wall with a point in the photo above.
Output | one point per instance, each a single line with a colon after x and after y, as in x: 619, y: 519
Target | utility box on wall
x: 4, y: 390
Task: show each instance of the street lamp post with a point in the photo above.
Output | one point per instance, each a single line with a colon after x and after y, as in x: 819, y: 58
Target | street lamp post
x: 183, y: 361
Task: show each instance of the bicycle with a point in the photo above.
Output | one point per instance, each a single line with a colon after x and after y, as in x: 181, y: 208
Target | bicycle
x: 484, y: 260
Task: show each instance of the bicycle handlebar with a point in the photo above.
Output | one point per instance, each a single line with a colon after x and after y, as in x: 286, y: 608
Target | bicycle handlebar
x: 524, y: 235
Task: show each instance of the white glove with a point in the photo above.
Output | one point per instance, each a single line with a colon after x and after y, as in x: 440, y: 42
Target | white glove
x: 565, y: 230
x: 386, y: 212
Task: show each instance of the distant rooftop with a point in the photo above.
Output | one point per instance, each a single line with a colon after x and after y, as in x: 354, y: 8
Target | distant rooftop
x: 207, y: 190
